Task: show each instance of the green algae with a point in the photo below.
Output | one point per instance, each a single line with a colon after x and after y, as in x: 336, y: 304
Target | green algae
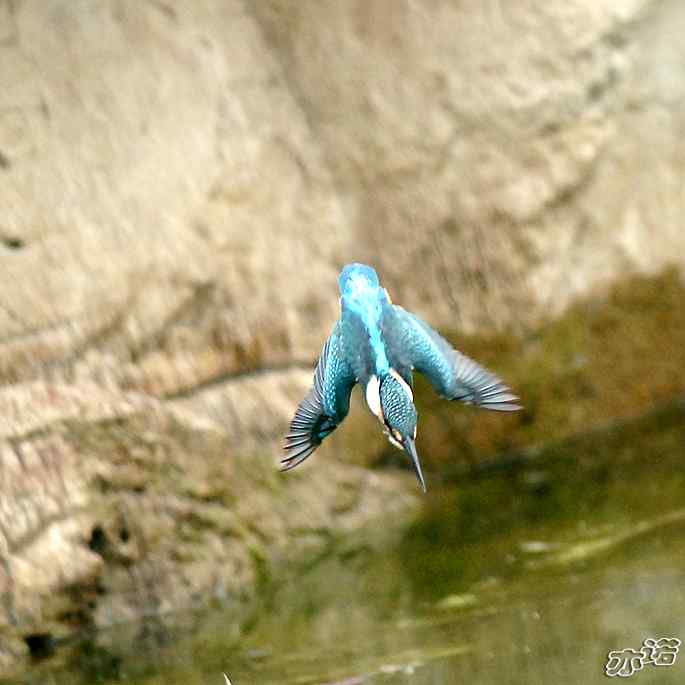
x: 610, y: 356
x: 602, y: 488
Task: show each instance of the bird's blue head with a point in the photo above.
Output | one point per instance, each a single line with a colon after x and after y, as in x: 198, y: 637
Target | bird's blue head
x: 357, y: 278
x: 393, y: 402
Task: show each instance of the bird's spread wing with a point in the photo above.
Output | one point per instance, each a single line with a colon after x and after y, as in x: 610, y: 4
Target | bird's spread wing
x: 452, y: 374
x: 325, y: 405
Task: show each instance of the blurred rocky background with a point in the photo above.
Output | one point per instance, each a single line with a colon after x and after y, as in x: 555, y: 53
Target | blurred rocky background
x: 180, y: 184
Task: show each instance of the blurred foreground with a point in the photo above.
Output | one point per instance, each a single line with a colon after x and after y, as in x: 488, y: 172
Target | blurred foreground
x: 537, y: 571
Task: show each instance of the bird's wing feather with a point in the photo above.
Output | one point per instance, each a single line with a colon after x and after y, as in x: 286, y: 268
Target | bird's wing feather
x: 453, y: 375
x: 325, y: 405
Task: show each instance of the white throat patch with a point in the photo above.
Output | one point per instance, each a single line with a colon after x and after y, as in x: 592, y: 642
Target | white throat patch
x: 373, y: 397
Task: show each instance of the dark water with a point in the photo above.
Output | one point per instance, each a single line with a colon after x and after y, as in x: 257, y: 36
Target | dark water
x: 529, y: 574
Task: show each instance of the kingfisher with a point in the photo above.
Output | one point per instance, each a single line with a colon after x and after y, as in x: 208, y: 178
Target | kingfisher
x: 379, y: 344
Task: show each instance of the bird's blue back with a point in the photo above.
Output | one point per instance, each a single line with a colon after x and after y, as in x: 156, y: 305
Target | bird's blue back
x: 363, y: 302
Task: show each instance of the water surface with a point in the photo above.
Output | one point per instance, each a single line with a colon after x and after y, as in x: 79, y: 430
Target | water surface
x: 529, y: 573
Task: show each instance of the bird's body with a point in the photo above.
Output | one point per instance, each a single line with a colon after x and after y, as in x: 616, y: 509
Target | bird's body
x: 378, y: 345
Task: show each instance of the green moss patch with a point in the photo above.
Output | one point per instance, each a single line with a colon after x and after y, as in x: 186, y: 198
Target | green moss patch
x: 606, y: 358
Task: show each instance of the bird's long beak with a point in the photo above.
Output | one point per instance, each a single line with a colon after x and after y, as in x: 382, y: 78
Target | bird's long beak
x: 410, y: 449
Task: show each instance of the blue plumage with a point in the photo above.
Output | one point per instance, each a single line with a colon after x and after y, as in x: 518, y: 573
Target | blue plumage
x: 362, y: 303
x: 378, y: 345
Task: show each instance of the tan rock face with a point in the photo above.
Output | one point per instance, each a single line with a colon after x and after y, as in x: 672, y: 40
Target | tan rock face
x: 504, y: 157
x: 144, y: 150
x: 117, y: 507
x: 180, y: 184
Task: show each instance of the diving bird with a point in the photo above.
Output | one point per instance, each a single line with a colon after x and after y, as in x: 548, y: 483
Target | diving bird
x: 379, y: 344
